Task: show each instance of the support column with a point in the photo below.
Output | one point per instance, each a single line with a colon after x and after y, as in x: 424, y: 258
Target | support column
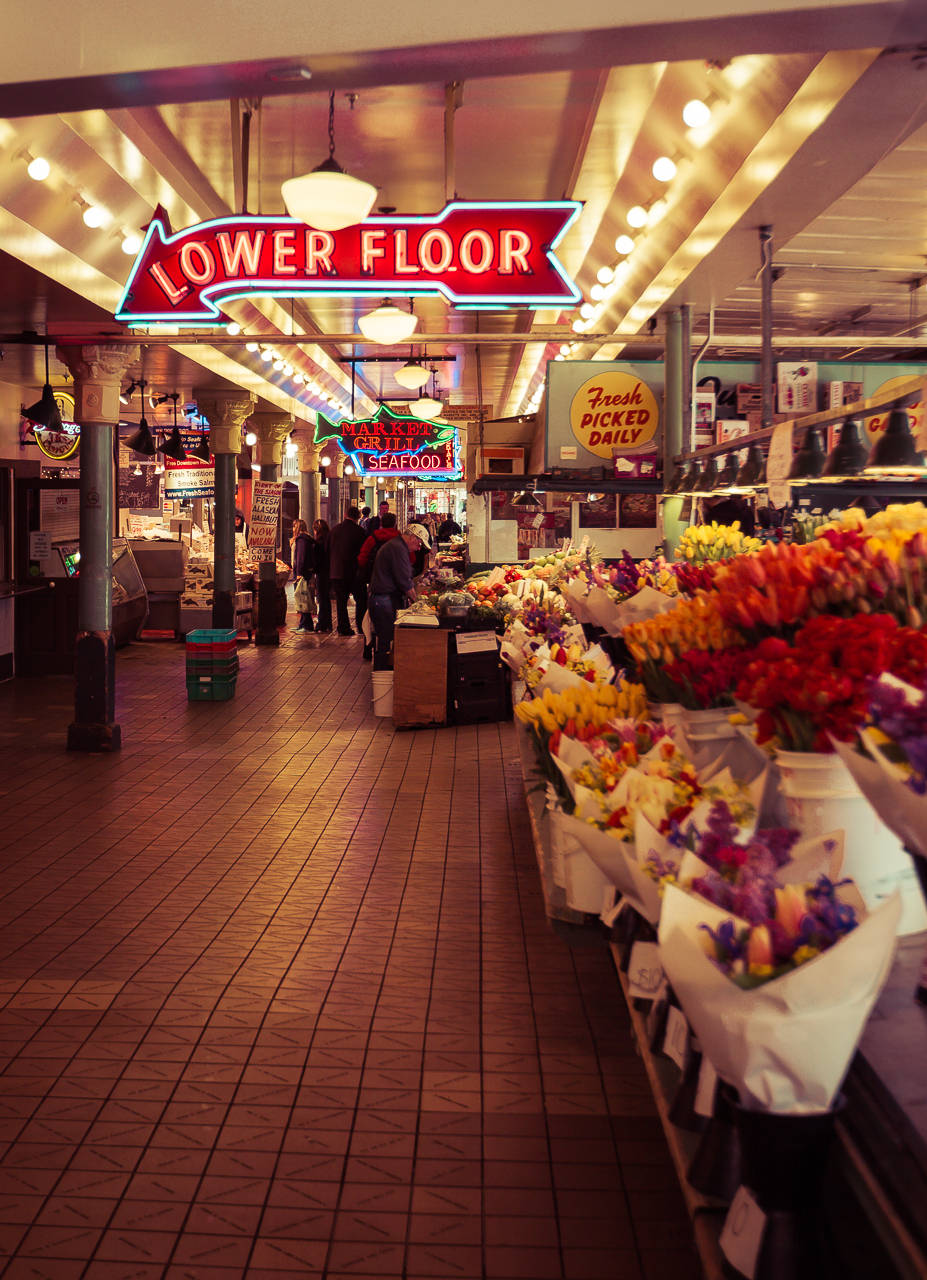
x: 766, y: 323
x: 98, y: 373
x: 335, y: 473
x: 271, y: 429
x: 307, y: 461
x: 675, y: 436
x: 225, y: 411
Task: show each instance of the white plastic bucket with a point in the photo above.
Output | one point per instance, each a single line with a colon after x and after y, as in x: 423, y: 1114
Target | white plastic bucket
x: 820, y: 796
x: 710, y: 735
x: 669, y: 714
x: 382, y: 692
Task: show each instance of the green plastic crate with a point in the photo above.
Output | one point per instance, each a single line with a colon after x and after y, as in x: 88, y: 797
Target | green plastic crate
x: 211, y: 690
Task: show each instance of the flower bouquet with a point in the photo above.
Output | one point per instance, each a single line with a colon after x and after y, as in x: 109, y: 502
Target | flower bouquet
x: 702, y: 543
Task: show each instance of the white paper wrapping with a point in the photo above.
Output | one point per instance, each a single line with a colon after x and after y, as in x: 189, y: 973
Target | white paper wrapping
x: 785, y: 1046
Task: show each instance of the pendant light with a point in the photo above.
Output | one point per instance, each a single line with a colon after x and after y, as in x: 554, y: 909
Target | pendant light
x: 895, y: 449
x: 173, y: 448
x: 708, y: 476
x: 200, y: 450
x: 527, y: 500
x: 727, y: 475
x: 808, y: 463
x: 412, y: 375
x: 45, y: 412
x: 141, y: 440
x: 328, y: 198
x: 676, y: 481
x: 748, y: 477
x: 388, y: 324
x: 848, y: 456
x: 691, y: 478
x: 427, y: 406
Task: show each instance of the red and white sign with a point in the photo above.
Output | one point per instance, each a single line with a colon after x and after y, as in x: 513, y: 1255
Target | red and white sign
x: 192, y: 478
x: 473, y: 253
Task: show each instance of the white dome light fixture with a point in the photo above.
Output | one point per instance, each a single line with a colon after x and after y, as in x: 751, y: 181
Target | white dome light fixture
x: 131, y: 244
x: 624, y: 244
x: 696, y: 113
x: 328, y: 198
x: 94, y: 216
x: 388, y: 325
x: 427, y: 406
x: 637, y: 217
x: 412, y: 375
x: 604, y: 275
x: 38, y: 169
x: 664, y: 169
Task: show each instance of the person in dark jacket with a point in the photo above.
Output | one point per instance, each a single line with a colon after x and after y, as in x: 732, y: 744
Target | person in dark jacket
x: 376, y: 522
x: 321, y: 535
x: 344, y: 545
x: 447, y: 528
x: 303, y: 551
x: 390, y: 589
x: 385, y: 533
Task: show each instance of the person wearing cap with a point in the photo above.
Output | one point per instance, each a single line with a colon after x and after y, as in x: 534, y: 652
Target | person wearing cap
x: 420, y: 558
x: 390, y: 588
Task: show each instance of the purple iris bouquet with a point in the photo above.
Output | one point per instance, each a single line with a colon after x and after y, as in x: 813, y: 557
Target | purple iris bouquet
x: 898, y: 725
x: 740, y: 878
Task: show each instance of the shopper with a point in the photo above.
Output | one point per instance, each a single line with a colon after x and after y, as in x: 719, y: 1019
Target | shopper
x: 321, y: 535
x: 375, y: 522
x: 390, y: 589
x: 447, y: 528
x: 365, y: 519
x: 344, y: 545
x: 302, y: 551
x: 420, y: 558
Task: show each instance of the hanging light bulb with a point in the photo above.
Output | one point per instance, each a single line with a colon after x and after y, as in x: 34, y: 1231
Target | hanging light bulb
x: 233, y: 328
x: 94, y: 216
x: 38, y: 169
x: 138, y: 469
x: 250, y: 439
x: 388, y: 325
x: 637, y: 216
x: 173, y: 448
x: 808, y: 462
x: 664, y: 169
x: 328, y: 198
x: 267, y: 354
x: 696, y: 113
x: 131, y: 244
x: 200, y: 450
x: 604, y: 275
x: 325, y: 460
x: 624, y: 244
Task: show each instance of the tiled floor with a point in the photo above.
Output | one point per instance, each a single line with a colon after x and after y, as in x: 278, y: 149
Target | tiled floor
x: 278, y: 996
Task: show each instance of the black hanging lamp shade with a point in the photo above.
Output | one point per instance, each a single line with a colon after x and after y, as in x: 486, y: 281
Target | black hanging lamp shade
x: 676, y: 480
x: 752, y: 468
x: 727, y: 475
x: 691, y: 478
x: 895, y: 449
x: 45, y: 411
x: 849, y: 454
x: 142, y: 441
x: 527, y: 499
x: 808, y: 463
x: 708, y: 476
x: 173, y: 446
x: 200, y: 450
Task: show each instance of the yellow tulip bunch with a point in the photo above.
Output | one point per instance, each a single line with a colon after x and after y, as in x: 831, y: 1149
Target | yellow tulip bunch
x: 583, y: 709
x: 690, y: 624
x: 703, y: 542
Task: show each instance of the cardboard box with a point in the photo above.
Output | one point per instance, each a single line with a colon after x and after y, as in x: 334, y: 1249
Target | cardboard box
x: 797, y: 386
x: 755, y: 418
x: 419, y: 676
x: 730, y: 429
x: 749, y: 397
x: 841, y: 393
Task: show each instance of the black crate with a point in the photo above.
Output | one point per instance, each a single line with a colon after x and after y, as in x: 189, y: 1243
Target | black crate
x: 491, y: 706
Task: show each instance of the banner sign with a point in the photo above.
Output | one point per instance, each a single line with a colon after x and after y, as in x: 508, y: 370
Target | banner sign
x: 474, y: 253
x: 614, y: 413
x: 191, y: 478
x: 265, y: 514
x: 392, y: 444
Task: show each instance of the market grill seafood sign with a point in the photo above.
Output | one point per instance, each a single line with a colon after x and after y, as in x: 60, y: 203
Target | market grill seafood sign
x: 472, y: 253
x: 392, y: 444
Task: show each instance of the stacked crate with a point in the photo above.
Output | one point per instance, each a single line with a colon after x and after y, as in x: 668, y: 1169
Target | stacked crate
x: 212, y: 665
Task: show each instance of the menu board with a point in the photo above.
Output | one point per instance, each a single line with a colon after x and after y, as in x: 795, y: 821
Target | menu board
x: 140, y: 492
x: 265, y: 513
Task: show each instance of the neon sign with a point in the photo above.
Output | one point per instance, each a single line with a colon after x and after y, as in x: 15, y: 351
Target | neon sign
x: 59, y: 445
x: 392, y: 444
x: 473, y: 253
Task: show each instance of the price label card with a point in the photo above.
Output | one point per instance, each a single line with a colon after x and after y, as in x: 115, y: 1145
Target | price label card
x: 645, y: 972
x: 676, y: 1040
x: 706, y: 1089
x: 743, y: 1232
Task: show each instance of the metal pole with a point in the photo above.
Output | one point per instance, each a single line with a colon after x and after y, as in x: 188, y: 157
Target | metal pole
x: 223, y: 600
x: 675, y: 419
x: 766, y: 324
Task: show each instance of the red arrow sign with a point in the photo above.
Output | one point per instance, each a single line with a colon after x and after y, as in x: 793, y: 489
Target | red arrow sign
x: 472, y: 253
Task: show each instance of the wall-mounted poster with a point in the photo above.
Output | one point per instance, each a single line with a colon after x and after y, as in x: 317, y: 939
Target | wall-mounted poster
x: 637, y: 511
x: 598, y: 511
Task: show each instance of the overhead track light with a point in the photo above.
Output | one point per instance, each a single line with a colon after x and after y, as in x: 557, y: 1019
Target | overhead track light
x: 328, y: 198
x: 45, y: 411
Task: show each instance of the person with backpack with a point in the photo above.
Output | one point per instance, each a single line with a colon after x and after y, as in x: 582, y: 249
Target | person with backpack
x: 391, y: 587
x: 386, y: 532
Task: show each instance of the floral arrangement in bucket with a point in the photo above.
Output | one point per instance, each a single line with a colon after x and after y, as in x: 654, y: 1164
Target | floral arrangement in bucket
x: 702, y: 543
x: 706, y: 679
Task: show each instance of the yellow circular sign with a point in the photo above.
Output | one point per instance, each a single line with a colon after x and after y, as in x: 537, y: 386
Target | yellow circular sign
x: 917, y: 418
x: 614, y: 412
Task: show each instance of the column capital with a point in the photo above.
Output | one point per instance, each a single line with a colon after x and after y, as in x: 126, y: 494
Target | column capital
x: 336, y: 466
x: 308, y: 452
x: 271, y: 428
x: 98, y: 370
x: 226, y: 411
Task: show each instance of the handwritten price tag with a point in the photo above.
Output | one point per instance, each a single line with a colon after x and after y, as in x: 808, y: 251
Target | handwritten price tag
x: 706, y: 1089
x: 743, y: 1233
x: 676, y: 1040
x: 645, y: 972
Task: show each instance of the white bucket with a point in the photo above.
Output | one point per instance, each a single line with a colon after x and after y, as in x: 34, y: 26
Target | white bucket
x: 712, y: 738
x: 581, y: 879
x: 382, y: 692
x: 820, y: 796
x: 669, y: 714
